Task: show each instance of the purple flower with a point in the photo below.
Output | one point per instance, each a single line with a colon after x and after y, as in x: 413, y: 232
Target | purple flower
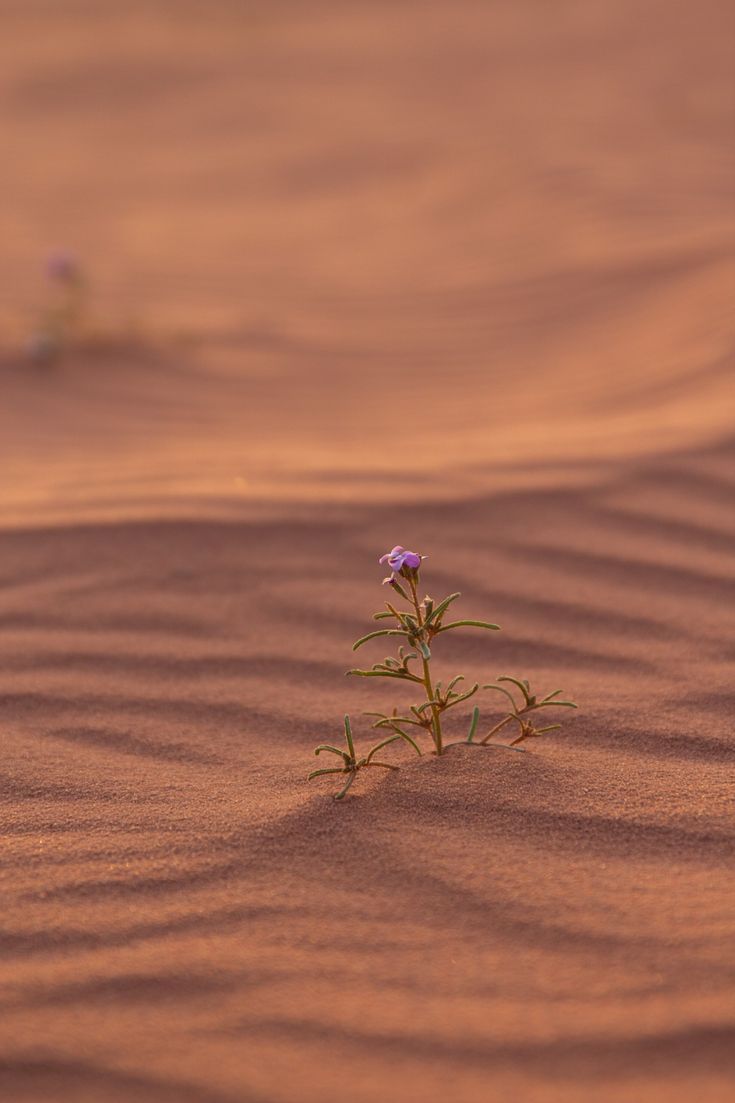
x: 401, y: 561
x: 62, y: 267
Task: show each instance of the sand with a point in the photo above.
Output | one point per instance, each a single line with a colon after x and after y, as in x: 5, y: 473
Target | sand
x: 457, y: 276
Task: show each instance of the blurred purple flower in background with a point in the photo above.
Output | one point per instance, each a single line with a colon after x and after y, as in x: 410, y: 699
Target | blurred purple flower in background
x: 60, y: 317
x: 62, y: 267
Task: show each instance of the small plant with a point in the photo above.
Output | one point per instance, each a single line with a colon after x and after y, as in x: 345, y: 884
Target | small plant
x: 350, y: 762
x: 418, y: 624
x: 528, y: 704
x: 62, y: 314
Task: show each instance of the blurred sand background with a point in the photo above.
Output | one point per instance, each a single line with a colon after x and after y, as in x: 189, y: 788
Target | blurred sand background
x: 458, y: 276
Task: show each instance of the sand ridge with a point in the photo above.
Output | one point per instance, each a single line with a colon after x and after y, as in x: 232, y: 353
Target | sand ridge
x: 462, y: 282
x: 214, y: 926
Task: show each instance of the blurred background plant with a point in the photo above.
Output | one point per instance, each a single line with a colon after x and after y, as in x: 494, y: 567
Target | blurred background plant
x: 62, y: 315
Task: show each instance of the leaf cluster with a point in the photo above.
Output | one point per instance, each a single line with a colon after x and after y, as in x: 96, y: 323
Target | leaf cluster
x: 417, y: 630
x: 351, y: 764
x: 520, y: 710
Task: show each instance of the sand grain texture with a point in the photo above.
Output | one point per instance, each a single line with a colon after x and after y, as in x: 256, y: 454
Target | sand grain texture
x: 461, y: 280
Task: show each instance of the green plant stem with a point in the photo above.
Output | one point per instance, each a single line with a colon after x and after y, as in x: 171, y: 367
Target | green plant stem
x: 491, y: 733
x: 435, y: 712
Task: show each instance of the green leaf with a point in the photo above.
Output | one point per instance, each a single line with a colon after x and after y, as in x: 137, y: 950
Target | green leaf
x: 406, y: 675
x: 462, y: 697
x: 374, y: 635
x: 379, y: 746
x: 402, y: 618
x: 390, y: 721
x: 522, y: 685
x: 350, y: 779
x: 425, y: 651
x: 383, y: 616
x: 318, y: 773
x: 408, y: 739
x: 504, y: 691
x: 473, y: 724
x: 329, y: 747
x: 469, y: 624
x: 452, y: 684
x: 348, y: 736
x: 553, y: 704
x: 441, y: 608
x: 384, y: 674
x: 400, y: 734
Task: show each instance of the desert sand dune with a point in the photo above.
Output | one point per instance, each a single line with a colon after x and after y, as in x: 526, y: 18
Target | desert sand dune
x: 453, y: 275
